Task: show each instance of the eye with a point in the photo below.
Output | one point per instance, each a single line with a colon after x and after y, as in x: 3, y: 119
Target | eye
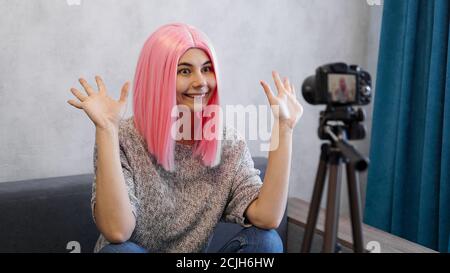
x: 184, y: 71
x: 207, y: 69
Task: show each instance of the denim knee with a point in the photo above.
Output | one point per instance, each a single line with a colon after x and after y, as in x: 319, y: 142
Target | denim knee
x: 127, y: 247
x: 270, y: 240
x: 263, y: 240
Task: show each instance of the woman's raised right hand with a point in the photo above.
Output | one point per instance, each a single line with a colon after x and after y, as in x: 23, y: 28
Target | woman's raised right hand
x: 104, y: 111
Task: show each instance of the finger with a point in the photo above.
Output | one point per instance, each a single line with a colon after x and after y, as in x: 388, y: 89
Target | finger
x: 86, y: 86
x: 75, y: 103
x: 124, y: 92
x: 78, y: 94
x: 293, y: 90
x: 267, y: 89
x: 287, y: 84
x: 100, y: 84
x: 278, y: 83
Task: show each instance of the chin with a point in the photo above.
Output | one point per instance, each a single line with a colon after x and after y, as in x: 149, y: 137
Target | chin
x: 190, y: 104
x: 191, y: 107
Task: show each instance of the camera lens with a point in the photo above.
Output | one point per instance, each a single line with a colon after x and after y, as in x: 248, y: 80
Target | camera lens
x: 309, y: 89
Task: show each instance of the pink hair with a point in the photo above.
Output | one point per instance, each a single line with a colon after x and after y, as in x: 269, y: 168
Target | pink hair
x: 155, y: 92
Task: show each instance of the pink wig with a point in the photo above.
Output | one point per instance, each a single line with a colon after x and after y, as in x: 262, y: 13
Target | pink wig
x: 155, y: 92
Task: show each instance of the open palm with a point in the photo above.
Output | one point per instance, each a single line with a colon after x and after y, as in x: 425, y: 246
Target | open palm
x: 100, y: 108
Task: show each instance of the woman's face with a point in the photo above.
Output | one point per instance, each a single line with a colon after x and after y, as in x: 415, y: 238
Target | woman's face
x: 196, y: 79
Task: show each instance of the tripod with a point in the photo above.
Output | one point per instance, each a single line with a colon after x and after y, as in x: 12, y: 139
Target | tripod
x: 333, y: 156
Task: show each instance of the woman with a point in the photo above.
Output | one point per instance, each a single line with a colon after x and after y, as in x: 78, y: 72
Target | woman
x: 156, y: 193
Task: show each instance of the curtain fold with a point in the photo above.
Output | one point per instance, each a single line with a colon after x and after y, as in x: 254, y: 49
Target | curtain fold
x: 408, y: 191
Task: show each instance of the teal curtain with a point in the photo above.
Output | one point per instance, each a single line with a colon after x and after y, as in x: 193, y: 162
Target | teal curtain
x: 408, y: 188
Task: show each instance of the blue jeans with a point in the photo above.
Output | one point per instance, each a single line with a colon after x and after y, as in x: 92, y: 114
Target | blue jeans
x: 248, y: 240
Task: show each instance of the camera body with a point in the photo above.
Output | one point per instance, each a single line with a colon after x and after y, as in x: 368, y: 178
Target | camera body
x: 338, y: 84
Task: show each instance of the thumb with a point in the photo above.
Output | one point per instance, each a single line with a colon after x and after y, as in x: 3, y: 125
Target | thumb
x: 124, y: 92
x: 268, y: 91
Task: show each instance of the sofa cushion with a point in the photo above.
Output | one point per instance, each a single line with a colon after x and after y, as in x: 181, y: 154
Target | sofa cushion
x: 44, y: 215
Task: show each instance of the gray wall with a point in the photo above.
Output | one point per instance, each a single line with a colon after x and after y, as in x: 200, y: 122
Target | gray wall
x: 47, y: 44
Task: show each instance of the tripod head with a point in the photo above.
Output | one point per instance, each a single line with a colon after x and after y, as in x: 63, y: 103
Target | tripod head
x: 347, y: 118
x: 337, y: 124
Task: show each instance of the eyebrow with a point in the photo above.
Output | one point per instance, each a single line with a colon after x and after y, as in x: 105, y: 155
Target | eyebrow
x: 188, y: 64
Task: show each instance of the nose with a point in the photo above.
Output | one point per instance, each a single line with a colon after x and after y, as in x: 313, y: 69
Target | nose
x: 199, y: 81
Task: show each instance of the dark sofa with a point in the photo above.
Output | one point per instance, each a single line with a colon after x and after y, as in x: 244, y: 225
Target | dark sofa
x: 53, y: 215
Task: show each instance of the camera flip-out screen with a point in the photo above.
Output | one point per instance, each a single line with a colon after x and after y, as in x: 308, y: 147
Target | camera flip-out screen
x: 341, y: 88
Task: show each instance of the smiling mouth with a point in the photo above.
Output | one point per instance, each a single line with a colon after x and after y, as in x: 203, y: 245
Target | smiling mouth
x: 200, y: 95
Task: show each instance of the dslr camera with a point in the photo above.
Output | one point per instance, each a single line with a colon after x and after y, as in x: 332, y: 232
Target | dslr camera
x: 338, y: 84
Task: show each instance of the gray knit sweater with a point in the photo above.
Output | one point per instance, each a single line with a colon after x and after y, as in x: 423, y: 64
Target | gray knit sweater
x: 177, y: 211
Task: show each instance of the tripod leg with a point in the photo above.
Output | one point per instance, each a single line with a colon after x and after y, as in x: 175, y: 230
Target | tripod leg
x: 355, y: 208
x: 315, y: 200
x: 332, y: 215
